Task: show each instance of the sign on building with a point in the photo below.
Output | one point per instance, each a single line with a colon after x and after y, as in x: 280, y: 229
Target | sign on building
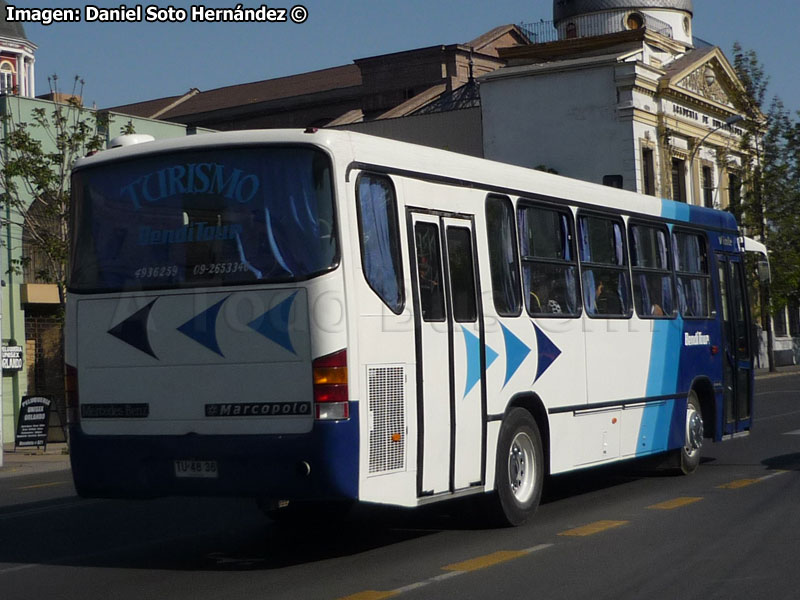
x: 34, y: 417
x: 12, y: 358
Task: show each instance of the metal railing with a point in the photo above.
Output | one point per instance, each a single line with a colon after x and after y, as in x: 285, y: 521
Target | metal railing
x: 541, y: 32
x: 586, y: 26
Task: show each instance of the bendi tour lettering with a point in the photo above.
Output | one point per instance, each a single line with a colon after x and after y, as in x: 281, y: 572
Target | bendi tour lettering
x: 192, y: 178
x: 198, y: 232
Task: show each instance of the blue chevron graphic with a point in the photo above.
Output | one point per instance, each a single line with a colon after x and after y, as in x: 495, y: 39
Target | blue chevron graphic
x: 133, y: 330
x: 491, y: 356
x: 473, y: 345
x: 516, y: 352
x: 274, y: 324
x: 547, y: 350
x: 203, y: 328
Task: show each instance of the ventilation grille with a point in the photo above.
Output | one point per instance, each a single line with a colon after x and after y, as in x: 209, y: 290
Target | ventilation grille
x: 387, y: 433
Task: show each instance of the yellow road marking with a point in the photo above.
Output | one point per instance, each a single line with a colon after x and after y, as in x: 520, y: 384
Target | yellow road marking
x: 676, y: 503
x: 739, y: 483
x: 453, y: 570
x: 41, y: 485
x: 593, y: 528
x: 481, y: 562
x: 370, y: 595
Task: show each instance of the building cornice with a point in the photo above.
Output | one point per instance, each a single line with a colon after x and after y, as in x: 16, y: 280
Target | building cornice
x: 18, y: 44
x: 703, y: 95
x: 532, y: 69
x: 589, y: 45
x: 695, y: 100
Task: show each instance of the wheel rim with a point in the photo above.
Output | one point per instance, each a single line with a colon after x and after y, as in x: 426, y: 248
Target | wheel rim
x: 522, y: 467
x: 694, y: 430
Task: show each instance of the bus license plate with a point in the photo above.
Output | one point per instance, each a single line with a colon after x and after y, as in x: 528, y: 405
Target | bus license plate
x: 206, y: 469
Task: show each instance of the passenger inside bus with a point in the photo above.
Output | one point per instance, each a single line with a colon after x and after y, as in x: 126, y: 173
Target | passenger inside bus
x: 607, y: 299
x: 543, y: 298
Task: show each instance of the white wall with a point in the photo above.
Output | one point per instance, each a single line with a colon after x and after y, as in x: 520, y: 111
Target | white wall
x: 566, y: 120
x: 457, y: 131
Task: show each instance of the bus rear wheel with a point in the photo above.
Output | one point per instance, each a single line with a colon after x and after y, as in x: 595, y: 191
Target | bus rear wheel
x: 689, y: 454
x: 519, y: 471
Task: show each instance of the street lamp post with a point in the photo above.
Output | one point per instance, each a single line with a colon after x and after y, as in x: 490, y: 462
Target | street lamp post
x: 728, y: 122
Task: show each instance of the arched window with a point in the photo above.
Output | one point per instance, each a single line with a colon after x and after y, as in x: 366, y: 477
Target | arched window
x: 6, y: 78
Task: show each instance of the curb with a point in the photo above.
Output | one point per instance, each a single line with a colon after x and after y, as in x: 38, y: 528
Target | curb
x: 780, y: 372
x: 19, y: 462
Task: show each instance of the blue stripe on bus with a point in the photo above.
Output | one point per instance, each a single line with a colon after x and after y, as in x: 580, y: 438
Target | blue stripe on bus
x: 662, y: 380
x: 660, y: 420
x: 677, y: 211
x: 698, y: 215
x: 261, y: 465
x: 665, y: 355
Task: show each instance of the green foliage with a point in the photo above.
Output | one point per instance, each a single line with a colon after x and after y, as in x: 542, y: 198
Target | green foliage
x: 37, y: 158
x: 771, y: 205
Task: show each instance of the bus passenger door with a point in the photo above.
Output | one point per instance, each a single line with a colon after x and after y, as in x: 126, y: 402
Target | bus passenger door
x: 450, y: 359
x: 737, y: 370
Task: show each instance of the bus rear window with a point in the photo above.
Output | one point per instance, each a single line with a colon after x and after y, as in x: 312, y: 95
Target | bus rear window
x: 203, y: 218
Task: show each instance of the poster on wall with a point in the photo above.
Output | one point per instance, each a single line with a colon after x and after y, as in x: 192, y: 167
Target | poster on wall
x: 34, y: 417
x: 12, y: 358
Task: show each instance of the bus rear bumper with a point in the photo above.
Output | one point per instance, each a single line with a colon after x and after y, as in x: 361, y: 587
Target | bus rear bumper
x: 321, y: 465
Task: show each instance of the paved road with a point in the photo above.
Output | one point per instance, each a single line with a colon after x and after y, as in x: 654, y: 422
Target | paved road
x: 732, y: 530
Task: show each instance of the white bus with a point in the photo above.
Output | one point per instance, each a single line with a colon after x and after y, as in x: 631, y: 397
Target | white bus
x: 313, y: 316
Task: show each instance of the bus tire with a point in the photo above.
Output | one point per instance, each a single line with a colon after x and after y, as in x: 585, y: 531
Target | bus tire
x: 689, y: 454
x: 519, y: 471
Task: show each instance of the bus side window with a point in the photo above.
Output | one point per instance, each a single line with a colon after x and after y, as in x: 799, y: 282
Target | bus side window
x: 429, y: 271
x: 606, y: 280
x: 380, y: 239
x: 503, y: 256
x: 653, y: 286
x: 462, y: 274
x: 549, y: 268
x: 694, y: 281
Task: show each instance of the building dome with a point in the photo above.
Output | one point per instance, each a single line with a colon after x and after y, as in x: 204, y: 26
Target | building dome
x: 589, y: 18
x: 10, y: 30
x: 564, y: 9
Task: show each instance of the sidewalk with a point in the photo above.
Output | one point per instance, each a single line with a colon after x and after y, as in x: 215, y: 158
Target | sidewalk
x: 28, y: 461
x: 779, y: 371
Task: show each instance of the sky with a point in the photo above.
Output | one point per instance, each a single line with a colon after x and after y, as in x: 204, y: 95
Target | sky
x: 123, y: 63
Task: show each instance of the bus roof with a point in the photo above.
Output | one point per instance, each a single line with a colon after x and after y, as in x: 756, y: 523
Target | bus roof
x: 369, y: 151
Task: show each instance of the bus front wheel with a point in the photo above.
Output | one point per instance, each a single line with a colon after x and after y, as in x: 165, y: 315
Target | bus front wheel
x: 519, y: 473
x: 693, y: 442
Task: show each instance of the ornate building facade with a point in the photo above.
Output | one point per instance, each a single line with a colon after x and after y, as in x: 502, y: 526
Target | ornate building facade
x: 16, y: 58
x: 619, y: 92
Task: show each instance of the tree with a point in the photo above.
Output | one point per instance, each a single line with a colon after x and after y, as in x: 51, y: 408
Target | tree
x: 35, y: 164
x: 771, y: 204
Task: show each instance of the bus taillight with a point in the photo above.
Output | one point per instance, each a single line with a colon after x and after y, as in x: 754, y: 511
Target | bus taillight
x: 71, y: 393
x: 330, y: 387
